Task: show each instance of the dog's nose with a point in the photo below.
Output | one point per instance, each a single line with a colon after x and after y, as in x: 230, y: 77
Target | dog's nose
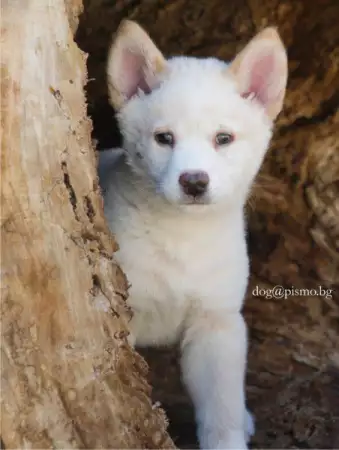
x: 194, y: 183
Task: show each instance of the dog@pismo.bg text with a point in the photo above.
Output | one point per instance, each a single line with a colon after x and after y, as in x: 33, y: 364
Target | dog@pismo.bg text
x: 195, y: 132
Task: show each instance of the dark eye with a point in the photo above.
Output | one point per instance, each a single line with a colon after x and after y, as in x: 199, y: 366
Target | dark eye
x: 223, y: 139
x: 164, y: 138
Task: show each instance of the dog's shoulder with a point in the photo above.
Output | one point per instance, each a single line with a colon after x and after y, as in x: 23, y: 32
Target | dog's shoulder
x: 108, y: 160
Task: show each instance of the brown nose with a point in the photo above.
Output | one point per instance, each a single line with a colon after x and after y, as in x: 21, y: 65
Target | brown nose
x: 194, y: 183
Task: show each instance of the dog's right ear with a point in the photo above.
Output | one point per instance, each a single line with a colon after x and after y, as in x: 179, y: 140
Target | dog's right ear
x: 134, y: 62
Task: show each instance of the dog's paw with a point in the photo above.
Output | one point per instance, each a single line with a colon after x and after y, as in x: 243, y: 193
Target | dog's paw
x: 234, y: 441
x: 249, y: 426
x: 226, y: 439
x: 223, y: 440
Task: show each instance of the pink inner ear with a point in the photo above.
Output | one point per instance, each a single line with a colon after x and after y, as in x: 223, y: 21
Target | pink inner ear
x: 133, y: 73
x: 260, y: 78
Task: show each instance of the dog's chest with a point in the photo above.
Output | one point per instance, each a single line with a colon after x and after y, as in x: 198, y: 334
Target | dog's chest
x: 180, y: 262
x: 177, y: 265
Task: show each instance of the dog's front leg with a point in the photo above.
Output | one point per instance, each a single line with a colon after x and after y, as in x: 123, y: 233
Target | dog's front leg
x: 214, y: 351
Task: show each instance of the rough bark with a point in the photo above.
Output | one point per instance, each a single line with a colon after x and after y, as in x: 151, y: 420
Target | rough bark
x: 69, y: 378
x: 293, y: 215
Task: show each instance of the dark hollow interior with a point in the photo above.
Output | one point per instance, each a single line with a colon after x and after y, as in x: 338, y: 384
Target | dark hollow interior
x: 295, y: 401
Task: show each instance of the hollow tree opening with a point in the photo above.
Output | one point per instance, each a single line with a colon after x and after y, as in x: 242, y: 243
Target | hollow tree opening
x: 293, y: 214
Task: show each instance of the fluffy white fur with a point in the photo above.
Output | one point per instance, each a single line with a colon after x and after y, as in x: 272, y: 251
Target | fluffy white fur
x: 186, y: 257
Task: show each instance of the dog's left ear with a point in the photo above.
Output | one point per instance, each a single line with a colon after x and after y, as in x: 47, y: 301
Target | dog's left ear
x: 134, y: 63
x: 260, y: 71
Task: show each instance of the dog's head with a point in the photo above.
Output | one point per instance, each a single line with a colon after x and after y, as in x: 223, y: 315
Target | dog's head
x: 198, y: 128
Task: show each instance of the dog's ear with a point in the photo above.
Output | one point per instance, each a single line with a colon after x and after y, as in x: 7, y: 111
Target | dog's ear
x: 260, y: 71
x: 134, y: 62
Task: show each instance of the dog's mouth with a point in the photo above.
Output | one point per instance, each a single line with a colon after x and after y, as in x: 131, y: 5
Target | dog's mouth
x: 184, y: 199
x: 194, y: 201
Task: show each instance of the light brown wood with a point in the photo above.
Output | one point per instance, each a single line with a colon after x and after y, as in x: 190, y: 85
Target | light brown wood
x: 68, y: 377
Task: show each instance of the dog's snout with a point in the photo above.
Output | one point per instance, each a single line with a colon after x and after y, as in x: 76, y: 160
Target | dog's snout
x: 194, y: 183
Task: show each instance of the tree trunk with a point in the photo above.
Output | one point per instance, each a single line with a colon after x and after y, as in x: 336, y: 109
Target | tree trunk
x: 293, y: 214
x: 69, y: 378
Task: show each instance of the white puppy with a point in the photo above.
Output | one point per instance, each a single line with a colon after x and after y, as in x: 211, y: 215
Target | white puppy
x: 195, y: 132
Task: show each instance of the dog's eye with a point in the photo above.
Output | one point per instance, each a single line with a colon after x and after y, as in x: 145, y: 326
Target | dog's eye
x: 223, y: 139
x: 164, y: 138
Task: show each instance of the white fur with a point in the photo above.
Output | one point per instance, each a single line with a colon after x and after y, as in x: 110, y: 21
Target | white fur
x: 186, y: 261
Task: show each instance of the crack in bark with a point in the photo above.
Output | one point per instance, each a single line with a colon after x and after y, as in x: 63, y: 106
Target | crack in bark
x: 69, y: 187
x: 90, y: 211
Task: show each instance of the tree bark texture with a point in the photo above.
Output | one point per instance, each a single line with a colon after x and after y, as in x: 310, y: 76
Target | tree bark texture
x: 69, y: 378
x: 293, y: 380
